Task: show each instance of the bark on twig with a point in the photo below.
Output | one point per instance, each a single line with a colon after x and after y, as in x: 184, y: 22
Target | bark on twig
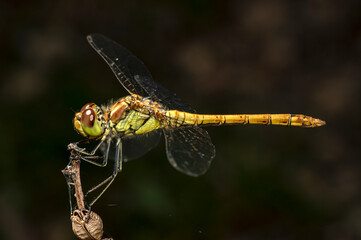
x: 73, y: 171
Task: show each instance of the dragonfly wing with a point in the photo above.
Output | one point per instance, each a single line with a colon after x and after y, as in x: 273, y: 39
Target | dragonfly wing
x: 160, y: 94
x: 137, y: 145
x: 134, y: 146
x: 122, y: 62
x: 189, y: 149
x: 133, y: 74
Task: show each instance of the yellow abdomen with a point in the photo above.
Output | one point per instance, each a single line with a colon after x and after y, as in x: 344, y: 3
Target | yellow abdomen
x: 178, y: 118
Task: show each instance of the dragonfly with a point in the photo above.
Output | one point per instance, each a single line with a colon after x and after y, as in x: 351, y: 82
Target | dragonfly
x: 131, y: 126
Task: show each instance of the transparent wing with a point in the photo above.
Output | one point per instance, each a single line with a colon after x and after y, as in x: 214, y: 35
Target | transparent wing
x: 133, y: 74
x: 189, y: 149
x: 134, y: 146
x: 137, y: 145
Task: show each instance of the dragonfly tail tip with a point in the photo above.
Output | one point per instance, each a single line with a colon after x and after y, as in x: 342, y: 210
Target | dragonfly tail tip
x: 319, y: 122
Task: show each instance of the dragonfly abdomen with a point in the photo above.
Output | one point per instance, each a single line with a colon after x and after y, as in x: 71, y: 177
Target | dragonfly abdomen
x: 295, y: 120
x: 178, y: 118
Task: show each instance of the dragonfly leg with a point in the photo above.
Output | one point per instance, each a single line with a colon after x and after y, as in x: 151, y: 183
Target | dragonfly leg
x: 110, y: 179
x: 92, y: 159
x: 71, y: 194
x: 74, y: 146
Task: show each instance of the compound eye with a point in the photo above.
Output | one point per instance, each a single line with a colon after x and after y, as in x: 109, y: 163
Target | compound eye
x: 88, y: 117
x: 86, y: 106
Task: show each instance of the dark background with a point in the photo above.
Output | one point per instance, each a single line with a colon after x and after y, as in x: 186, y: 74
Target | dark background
x: 221, y: 57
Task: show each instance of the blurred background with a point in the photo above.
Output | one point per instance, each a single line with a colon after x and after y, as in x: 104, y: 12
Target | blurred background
x: 219, y: 56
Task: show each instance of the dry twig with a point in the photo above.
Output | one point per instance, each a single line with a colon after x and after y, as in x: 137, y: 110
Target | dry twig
x: 86, y: 224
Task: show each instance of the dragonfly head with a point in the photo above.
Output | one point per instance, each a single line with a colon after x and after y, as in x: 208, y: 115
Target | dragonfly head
x: 88, y: 121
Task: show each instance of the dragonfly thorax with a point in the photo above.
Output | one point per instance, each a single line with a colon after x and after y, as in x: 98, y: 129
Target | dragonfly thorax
x: 133, y: 115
